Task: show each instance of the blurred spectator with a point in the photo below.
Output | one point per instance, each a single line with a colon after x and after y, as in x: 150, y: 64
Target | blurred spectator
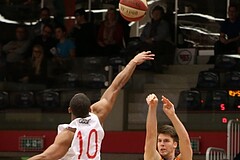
x: 34, y: 69
x: 46, y: 40
x: 65, y: 47
x: 84, y: 34
x: 228, y: 42
x: 16, y: 52
x: 156, y: 30
x: 44, y: 18
x: 110, y: 34
x: 157, y: 38
x: 64, y: 51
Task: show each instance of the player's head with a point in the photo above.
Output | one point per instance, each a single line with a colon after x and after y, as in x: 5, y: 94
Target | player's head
x: 167, y: 141
x: 79, y: 105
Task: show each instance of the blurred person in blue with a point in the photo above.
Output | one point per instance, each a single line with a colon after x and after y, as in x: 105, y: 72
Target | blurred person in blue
x: 64, y: 52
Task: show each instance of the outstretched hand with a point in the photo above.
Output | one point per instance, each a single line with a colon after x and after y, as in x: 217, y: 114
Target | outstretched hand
x: 143, y: 56
x: 168, y: 107
x: 152, y: 100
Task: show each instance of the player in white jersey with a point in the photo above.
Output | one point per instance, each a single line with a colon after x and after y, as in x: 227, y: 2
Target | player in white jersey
x: 79, y: 107
x: 89, y: 135
x: 89, y: 127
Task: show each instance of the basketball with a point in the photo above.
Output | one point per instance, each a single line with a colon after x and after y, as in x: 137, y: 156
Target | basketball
x: 133, y: 10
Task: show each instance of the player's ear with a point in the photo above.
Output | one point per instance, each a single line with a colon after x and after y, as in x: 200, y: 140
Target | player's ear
x: 69, y: 110
x: 175, y: 144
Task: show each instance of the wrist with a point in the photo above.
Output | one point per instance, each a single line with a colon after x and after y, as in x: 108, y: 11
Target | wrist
x: 133, y: 62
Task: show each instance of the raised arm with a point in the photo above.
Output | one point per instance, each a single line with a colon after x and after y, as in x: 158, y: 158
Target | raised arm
x: 184, y: 140
x: 58, y: 149
x: 150, y: 151
x: 104, y: 106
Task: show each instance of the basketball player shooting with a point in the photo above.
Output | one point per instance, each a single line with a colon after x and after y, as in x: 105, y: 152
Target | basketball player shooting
x: 84, y: 134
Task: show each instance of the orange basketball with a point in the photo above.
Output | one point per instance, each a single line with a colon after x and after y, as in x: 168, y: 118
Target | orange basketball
x: 133, y: 10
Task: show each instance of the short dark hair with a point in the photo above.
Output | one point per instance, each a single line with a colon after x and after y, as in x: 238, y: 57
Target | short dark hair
x: 80, y: 105
x: 158, y: 8
x: 169, y: 130
x: 48, y: 26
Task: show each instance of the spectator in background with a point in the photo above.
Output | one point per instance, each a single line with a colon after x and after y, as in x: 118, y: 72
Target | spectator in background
x: 156, y: 30
x: 64, y: 51
x: 44, y: 18
x: 35, y: 68
x: 228, y: 42
x: 16, y: 52
x: 110, y: 34
x: 46, y: 40
x: 84, y: 34
x: 157, y: 38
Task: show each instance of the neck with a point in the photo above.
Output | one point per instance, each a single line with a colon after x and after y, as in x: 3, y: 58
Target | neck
x: 169, y: 157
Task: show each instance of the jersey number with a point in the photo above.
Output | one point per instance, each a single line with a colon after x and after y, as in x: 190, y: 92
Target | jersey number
x: 93, y: 132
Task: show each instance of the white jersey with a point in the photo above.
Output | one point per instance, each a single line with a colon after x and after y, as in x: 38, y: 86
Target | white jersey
x: 87, y: 138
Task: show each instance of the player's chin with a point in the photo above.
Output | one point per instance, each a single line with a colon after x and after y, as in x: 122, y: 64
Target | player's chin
x: 163, y: 152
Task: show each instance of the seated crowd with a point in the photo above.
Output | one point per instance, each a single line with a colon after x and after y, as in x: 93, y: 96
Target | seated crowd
x: 24, y: 58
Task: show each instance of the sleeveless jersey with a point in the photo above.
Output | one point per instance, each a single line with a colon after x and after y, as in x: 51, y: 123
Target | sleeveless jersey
x: 87, y: 138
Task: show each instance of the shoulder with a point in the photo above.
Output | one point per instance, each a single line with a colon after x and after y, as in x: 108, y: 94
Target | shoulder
x: 225, y: 22
x: 69, y: 43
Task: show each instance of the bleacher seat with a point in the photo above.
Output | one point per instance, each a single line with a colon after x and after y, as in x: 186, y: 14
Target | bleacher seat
x: 225, y: 63
x: 232, y: 80
x: 67, y: 80
x: 4, y: 99
x: 208, y: 80
x: 116, y: 61
x: 94, y: 74
x: 22, y: 99
x: 217, y: 100
x: 94, y: 64
x: 189, y: 100
x: 48, y: 100
x: 94, y: 80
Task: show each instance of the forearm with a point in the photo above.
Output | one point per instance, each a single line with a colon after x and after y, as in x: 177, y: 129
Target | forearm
x: 110, y: 95
x: 151, y: 134
x: 179, y: 127
x: 53, y: 152
x: 122, y: 78
x: 151, y: 124
x: 38, y: 157
x: 184, y: 140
